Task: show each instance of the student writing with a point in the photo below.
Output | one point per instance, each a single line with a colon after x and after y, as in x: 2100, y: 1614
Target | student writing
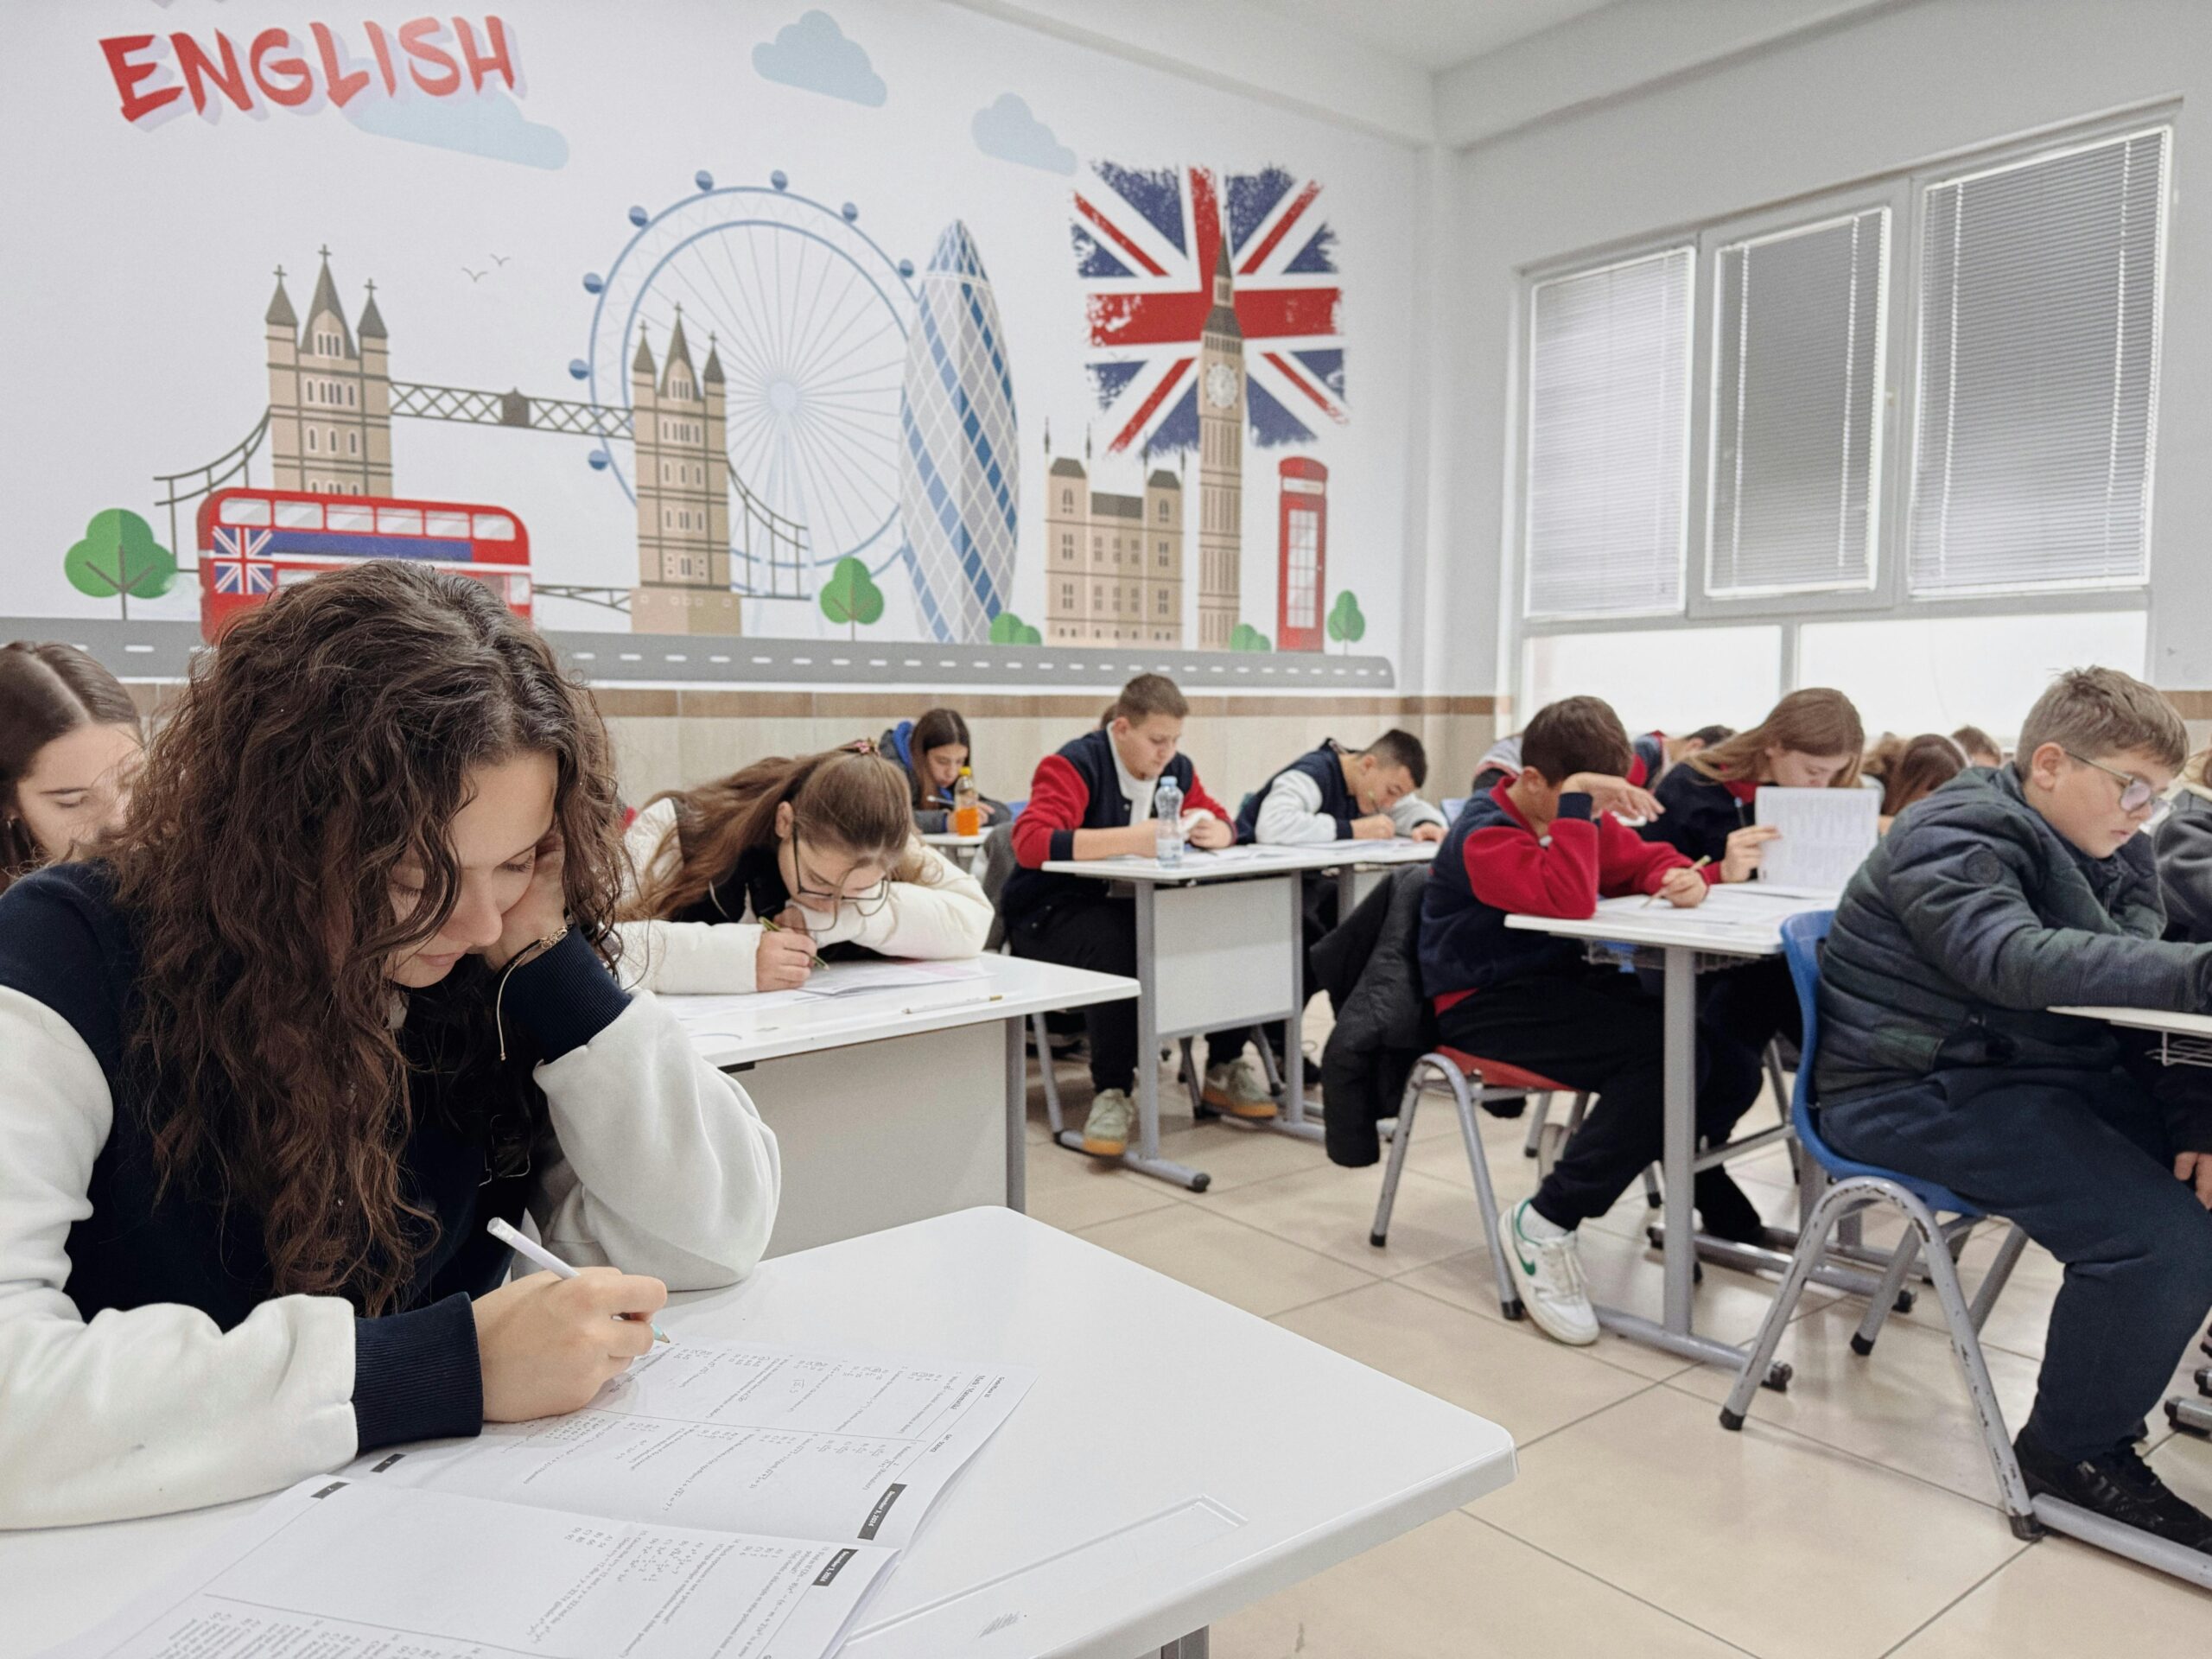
x: 337, y: 994
x: 2010, y: 890
x: 70, y: 744
x: 823, y: 846
x: 937, y: 747
x: 1333, y: 793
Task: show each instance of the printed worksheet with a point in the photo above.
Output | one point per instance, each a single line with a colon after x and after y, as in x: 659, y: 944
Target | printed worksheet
x: 344, y: 1569
x: 1825, y: 836
x: 747, y: 1437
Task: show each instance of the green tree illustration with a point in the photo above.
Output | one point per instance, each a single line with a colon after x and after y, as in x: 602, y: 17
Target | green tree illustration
x: 1345, y: 622
x: 852, y: 597
x: 1007, y: 629
x: 119, y: 557
x: 1245, y: 637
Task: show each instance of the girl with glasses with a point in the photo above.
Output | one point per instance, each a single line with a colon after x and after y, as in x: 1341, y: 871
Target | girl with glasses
x: 740, y: 884
x: 335, y: 995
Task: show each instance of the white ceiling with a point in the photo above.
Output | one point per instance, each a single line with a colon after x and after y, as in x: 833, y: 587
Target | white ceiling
x: 1434, y: 35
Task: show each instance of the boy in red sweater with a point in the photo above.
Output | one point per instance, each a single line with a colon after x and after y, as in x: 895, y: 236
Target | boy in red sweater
x: 1094, y: 799
x: 1548, y: 843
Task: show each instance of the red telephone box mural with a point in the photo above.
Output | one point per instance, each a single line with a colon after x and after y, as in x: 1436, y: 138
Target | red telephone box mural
x: 1302, y: 574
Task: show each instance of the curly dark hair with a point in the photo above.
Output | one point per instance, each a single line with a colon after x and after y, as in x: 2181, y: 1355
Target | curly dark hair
x: 328, y: 739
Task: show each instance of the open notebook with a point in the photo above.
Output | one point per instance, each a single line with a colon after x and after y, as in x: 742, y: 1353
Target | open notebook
x: 740, y: 1500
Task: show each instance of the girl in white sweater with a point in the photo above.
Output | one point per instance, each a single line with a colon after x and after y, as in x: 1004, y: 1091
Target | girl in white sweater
x: 739, y: 883
x: 336, y: 995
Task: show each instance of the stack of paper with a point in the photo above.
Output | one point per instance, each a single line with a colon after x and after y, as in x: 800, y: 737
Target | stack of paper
x: 740, y: 1500
x: 1825, y: 836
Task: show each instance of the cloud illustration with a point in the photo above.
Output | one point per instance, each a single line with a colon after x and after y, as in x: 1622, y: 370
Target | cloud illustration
x: 1009, y: 131
x: 814, y: 53
x: 490, y: 124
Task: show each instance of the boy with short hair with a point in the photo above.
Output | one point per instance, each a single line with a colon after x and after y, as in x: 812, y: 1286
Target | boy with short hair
x: 2008, y: 893
x: 1094, y: 799
x: 1332, y: 793
x: 1549, y: 842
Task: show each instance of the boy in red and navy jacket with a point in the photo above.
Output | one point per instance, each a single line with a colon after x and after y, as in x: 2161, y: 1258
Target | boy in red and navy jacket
x: 1094, y: 799
x: 1548, y: 843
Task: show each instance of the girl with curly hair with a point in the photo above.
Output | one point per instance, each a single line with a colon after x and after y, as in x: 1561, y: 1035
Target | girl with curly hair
x: 337, y: 993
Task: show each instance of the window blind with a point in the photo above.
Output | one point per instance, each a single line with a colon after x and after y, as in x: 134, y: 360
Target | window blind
x: 1608, y: 438
x: 2037, y: 366
x: 1798, y: 320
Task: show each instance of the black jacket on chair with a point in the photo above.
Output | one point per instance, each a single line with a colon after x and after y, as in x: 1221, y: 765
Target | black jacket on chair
x: 1370, y: 967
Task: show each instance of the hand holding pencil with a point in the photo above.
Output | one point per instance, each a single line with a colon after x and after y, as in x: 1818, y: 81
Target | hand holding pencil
x: 1682, y: 886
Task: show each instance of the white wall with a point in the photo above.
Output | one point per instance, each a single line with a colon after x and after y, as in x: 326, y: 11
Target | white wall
x: 1893, y: 89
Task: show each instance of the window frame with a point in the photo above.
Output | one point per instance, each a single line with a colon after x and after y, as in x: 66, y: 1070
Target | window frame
x: 1889, y: 597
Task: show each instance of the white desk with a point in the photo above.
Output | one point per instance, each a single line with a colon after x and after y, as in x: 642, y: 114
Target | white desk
x: 961, y: 849
x: 893, y: 1105
x: 1736, y: 922
x: 1221, y: 943
x: 1058, y: 1539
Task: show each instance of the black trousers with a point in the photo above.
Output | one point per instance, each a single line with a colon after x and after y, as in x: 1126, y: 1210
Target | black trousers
x: 1597, y: 1029
x: 2082, y: 1161
x: 1100, y: 934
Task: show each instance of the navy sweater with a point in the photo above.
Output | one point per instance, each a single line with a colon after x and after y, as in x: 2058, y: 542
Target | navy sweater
x: 1078, y: 789
x: 1325, y: 765
x: 415, y: 1372
x: 1701, y: 813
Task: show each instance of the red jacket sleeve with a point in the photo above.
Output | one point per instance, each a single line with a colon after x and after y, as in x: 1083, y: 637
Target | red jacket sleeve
x: 1512, y: 870
x: 1058, y: 801
x: 1198, y: 798
x: 1627, y: 863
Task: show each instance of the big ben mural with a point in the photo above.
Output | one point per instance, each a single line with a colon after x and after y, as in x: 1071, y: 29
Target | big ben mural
x: 1221, y: 462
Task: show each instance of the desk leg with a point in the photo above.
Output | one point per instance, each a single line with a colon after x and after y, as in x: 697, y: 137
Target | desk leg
x: 1144, y: 1157
x: 1676, y: 1333
x: 1292, y: 1120
x: 1017, y: 1113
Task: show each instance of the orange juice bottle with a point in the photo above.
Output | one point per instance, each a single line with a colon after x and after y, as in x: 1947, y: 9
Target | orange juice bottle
x: 967, y: 806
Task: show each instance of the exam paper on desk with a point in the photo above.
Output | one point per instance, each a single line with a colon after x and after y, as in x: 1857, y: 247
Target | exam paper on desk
x: 345, y: 1569
x: 747, y: 1437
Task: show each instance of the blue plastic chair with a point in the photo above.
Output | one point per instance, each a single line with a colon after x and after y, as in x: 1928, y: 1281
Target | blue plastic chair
x: 1853, y: 1187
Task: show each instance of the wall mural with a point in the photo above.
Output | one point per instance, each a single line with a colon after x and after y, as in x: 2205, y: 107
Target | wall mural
x: 806, y: 431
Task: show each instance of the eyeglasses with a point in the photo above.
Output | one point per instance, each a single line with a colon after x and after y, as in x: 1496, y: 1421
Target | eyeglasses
x: 865, y: 902
x: 2135, y: 793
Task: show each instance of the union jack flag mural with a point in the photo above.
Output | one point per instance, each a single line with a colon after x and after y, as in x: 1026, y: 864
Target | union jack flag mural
x: 237, y: 571
x: 1146, y: 245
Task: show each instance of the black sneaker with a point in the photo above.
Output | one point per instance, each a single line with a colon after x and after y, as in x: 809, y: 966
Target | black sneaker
x: 2118, y: 1485
x: 1724, y: 1211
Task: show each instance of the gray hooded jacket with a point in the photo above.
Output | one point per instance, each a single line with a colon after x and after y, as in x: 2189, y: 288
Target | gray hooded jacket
x: 1970, y: 920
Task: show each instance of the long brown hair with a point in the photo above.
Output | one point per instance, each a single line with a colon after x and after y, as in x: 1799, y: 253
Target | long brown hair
x: 1815, y: 721
x: 47, y: 690
x: 1918, y: 768
x: 328, y: 739
x: 852, y: 798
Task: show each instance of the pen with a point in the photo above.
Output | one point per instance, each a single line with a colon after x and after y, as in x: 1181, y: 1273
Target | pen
x: 775, y: 926
x: 538, y: 1255
x: 1700, y: 865
x: 973, y: 1001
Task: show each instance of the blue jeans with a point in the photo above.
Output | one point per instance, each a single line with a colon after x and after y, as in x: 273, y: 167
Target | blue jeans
x: 2082, y: 1161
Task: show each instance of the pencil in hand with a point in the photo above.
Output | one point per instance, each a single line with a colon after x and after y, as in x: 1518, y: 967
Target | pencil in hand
x: 1655, y: 897
x: 770, y: 925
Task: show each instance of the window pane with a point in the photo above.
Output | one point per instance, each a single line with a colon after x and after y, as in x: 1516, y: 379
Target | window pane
x: 1667, y: 679
x: 399, y: 521
x: 300, y: 515
x: 1797, y: 407
x: 242, y: 509
x: 348, y: 517
x: 2039, y: 316
x: 494, y: 527
x: 454, y: 525
x: 1608, y: 438
x: 1936, y: 675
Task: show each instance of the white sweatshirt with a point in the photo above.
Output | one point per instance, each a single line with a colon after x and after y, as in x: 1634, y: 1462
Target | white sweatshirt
x: 1291, y: 814
x: 662, y: 1166
x: 944, y: 916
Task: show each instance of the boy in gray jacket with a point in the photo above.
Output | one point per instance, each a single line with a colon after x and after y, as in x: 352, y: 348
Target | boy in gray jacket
x: 2008, y: 893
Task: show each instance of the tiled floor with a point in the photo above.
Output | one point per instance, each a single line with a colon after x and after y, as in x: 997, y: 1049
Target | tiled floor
x: 1852, y: 1518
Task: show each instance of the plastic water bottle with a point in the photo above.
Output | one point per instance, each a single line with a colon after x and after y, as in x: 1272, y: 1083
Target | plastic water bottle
x: 967, y: 808
x: 1168, y: 809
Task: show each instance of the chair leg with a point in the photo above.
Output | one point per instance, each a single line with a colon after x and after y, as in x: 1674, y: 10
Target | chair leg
x: 1993, y: 1283
x: 1653, y: 1198
x: 1966, y: 1343
x: 1812, y: 1242
x: 1885, y: 1295
x: 1540, y: 1112
x: 1508, y: 1299
x: 1194, y: 1080
x: 1044, y: 1069
x: 1267, y: 1061
x: 1379, y: 1234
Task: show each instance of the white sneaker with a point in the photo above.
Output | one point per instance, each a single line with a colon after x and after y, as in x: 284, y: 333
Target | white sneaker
x: 1548, y: 1274
x: 1239, y: 1089
x: 1106, y: 1131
